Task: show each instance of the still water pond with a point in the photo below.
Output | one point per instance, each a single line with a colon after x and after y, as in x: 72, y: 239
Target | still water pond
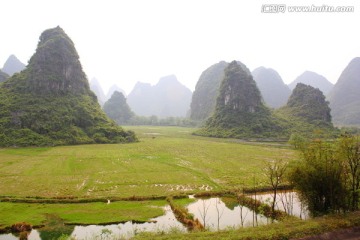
x: 223, y: 213
x: 287, y: 201
x: 213, y: 213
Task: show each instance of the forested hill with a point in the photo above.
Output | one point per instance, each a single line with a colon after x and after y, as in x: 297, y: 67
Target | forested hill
x: 240, y: 111
x: 203, y: 100
x: 50, y: 102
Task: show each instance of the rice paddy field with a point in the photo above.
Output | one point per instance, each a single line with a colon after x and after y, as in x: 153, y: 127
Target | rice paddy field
x: 167, y: 161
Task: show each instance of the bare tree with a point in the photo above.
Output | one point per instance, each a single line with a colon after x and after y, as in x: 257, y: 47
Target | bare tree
x: 275, y: 171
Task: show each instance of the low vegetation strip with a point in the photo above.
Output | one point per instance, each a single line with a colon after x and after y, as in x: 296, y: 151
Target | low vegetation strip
x: 183, y: 216
x: 289, y: 229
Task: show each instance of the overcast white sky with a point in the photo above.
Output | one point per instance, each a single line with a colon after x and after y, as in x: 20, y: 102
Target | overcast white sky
x: 122, y: 42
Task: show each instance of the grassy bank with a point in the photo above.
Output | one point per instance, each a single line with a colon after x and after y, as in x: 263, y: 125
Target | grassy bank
x: 290, y: 229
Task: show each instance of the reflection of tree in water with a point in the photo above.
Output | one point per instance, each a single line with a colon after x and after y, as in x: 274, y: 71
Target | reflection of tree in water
x: 55, y: 228
x: 203, y: 210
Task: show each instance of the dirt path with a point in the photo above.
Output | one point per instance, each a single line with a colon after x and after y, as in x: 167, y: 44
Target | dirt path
x: 342, y: 234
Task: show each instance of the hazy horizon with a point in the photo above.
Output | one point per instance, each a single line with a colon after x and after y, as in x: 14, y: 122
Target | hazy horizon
x: 123, y: 42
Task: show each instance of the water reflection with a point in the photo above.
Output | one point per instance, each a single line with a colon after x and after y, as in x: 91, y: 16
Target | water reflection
x: 287, y: 201
x: 164, y: 223
x: 34, y: 235
x: 214, y: 214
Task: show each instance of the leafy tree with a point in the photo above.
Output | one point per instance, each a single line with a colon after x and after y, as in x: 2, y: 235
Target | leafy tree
x: 318, y: 177
x: 349, y: 151
x: 297, y: 141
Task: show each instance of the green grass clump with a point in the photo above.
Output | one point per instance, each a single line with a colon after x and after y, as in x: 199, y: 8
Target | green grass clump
x: 81, y: 213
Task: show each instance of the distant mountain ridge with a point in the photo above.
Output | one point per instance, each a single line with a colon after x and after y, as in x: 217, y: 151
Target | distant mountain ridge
x: 345, y: 96
x: 97, y: 89
x: 313, y: 79
x: 112, y: 90
x: 13, y: 65
x: 168, y: 98
x: 273, y: 90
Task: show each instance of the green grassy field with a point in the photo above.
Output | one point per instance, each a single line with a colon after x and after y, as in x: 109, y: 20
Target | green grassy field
x: 166, y: 161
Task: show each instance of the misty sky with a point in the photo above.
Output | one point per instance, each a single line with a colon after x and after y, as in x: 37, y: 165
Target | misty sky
x: 123, y: 42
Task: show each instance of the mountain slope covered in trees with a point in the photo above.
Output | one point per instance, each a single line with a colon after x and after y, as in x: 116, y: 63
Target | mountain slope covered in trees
x: 3, y: 76
x: 117, y: 109
x: 203, y: 100
x: 307, y: 112
x: 240, y: 111
x: 50, y: 102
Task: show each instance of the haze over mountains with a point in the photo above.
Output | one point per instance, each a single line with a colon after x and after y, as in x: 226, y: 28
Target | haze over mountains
x: 313, y: 79
x: 345, y: 96
x: 168, y: 98
x: 13, y: 65
x: 273, y: 90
